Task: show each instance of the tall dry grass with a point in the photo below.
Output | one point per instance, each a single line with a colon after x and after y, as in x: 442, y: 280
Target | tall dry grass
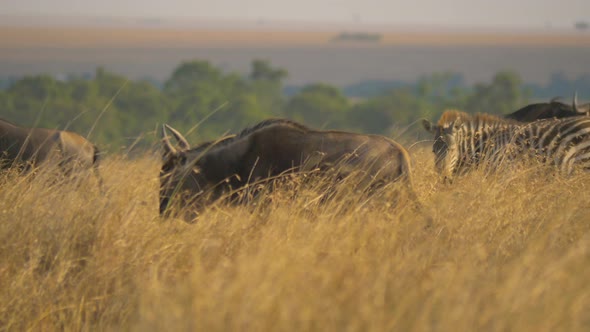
x: 506, y: 252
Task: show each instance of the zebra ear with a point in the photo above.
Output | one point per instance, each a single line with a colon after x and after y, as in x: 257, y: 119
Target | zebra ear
x: 429, y: 126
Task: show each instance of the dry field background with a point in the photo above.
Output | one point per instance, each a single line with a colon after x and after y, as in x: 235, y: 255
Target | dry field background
x: 506, y: 252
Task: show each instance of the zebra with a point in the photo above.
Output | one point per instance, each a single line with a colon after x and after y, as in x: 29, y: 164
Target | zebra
x: 463, y: 142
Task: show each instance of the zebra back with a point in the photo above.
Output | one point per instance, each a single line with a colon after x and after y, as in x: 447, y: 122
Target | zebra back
x: 469, y: 141
x: 564, y: 143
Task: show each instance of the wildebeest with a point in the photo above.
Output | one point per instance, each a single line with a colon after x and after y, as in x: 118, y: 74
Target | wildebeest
x: 198, y: 176
x: 552, y: 109
x: 31, y: 147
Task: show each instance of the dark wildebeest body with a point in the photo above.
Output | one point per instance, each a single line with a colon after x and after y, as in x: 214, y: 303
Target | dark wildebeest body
x: 272, y: 148
x: 551, y: 110
x: 32, y: 147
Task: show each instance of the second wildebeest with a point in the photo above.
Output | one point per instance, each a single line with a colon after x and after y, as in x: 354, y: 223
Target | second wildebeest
x: 198, y: 176
x: 31, y: 147
x: 553, y: 109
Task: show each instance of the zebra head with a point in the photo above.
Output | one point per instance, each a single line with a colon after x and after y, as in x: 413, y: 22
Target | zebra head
x: 445, y: 147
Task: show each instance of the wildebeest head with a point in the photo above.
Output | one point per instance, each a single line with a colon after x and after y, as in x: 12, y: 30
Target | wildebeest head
x: 183, y: 178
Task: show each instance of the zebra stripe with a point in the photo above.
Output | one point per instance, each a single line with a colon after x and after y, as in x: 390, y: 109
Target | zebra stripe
x: 464, y: 141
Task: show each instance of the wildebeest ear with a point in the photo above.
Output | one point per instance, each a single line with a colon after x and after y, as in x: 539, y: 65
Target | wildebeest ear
x: 429, y: 126
x: 182, y: 142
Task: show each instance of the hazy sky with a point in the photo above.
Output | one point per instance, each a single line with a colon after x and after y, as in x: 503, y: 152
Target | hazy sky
x: 493, y: 13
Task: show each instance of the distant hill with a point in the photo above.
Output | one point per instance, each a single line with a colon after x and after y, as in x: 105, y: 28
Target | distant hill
x: 363, y: 37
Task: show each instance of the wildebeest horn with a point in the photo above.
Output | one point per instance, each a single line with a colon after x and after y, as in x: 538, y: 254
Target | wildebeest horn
x: 182, y: 142
x: 169, y: 149
x: 580, y: 109
x: 575, y: 102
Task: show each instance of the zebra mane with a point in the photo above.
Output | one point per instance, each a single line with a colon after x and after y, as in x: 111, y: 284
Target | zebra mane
x: 451, y: 116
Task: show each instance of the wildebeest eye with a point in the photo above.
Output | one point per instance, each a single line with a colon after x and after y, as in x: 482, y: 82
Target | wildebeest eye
x: 167, y: 166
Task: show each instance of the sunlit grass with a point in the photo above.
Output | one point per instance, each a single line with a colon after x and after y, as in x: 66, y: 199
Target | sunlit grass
x: 507, y: 252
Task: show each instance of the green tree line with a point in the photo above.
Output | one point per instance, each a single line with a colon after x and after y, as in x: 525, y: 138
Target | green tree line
x: 201, y: 99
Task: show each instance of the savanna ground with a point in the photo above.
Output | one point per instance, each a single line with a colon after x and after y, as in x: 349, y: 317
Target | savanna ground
x: 506, y: 252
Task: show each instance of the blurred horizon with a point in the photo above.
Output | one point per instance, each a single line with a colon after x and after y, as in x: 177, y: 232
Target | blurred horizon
x: 339, y: 42
x: 500, y: 14
x: 32, y: 19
